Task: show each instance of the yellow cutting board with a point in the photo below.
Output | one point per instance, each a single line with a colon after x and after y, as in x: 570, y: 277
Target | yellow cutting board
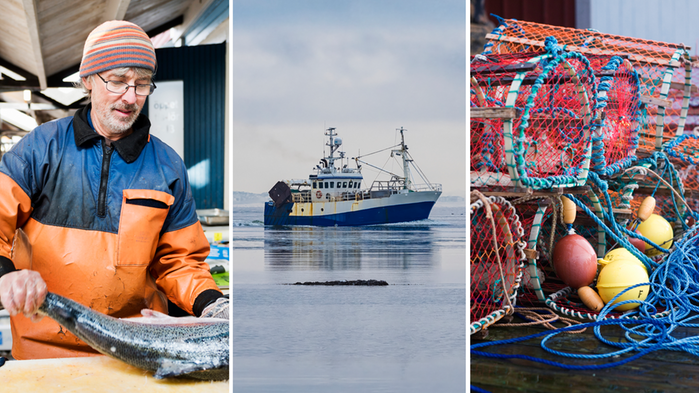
x: 92, y: 374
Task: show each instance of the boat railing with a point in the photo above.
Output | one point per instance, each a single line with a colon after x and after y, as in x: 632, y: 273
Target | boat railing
x: 301, y: 197
x: 396, y: 185
x: 427, y: 187
x: 379, y: 189
x: 383, y: 185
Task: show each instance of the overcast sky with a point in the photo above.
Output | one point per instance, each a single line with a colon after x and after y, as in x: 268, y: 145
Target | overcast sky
x: 365, y: 67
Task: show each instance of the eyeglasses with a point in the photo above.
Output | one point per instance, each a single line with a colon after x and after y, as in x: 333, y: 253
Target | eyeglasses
x: 121, y: 87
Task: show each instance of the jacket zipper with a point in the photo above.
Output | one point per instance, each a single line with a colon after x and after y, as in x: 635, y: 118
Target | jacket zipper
x: 104, y: 178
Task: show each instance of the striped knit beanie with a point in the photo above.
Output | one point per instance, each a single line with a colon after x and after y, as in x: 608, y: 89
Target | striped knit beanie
x: 115, y: 44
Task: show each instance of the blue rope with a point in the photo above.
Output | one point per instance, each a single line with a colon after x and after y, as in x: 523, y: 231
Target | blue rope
x: 673, y: 144
x: 674, y: 286
x: 615, y: 227
x: 670, y: 172
x: 614, y: 230
x: 557, y: 56
x: 502, y: 25
x: 563, y: 330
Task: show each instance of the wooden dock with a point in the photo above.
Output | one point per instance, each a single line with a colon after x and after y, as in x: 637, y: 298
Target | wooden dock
x: 658, y: 371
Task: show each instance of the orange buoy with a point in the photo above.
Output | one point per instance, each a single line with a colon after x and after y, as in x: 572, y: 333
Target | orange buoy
x: 644, y: 212
x: 590, y: 298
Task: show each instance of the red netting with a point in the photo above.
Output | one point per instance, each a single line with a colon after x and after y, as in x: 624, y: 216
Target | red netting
x: 549, y: 137
x: 490, y: 82
x: 619, y: 113
x: 538, y: 274
x: 493, y: 282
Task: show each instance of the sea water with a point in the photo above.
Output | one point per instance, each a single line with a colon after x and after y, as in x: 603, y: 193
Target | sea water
x: 409, y: 336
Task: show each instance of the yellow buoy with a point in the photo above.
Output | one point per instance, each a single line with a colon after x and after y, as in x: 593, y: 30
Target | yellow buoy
x: 657, y: 230
x: 619, y: 275
x: 620, y: 254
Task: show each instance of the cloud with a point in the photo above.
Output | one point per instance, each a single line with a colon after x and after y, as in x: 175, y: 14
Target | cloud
x: 374, y: 74
x: 364, y: 67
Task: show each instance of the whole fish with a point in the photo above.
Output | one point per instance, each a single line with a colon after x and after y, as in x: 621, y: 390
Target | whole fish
x: 170, y: 347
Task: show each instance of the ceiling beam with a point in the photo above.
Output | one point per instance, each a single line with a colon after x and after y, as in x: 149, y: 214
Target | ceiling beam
x: 116, y: 9
x: 74, y: 105
x: 56, y: 80
x: 34, y: 37
x: 9, y: 84
x: 23, y: 106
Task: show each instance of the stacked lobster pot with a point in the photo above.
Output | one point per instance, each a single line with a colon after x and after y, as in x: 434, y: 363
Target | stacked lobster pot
x: 596, y: 117
x: 497, y: 259
x: 663, y: 72
x: 683, y: 149
x: 664, y: 85
x: 531, y: 116
x: 530, y: 130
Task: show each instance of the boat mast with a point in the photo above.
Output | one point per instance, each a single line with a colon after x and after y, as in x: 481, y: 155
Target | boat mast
x: 334, y: 145
x: 406, y: 162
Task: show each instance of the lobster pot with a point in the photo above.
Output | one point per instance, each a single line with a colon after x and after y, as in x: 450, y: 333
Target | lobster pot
x: 491, y: 78
x: 567, y: 302
x: 665, y: 80
x: 628, y: 190
x: 546, y: 230
x: 547, y: 143
x: 618, y: 115
x: 692, y: 119
x: 685, y: 156
x: 537, y: 215
x: 684, y: 153
x: 497, y: 260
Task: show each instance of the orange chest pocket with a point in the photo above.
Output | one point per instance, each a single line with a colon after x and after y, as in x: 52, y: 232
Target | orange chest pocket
x: 143, y: 213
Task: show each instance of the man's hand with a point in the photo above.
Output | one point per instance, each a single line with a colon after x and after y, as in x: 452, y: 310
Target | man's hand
x: 23, y: 291
x: 218, y: 309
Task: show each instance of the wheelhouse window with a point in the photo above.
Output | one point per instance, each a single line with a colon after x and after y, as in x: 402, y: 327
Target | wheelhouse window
x: 350, y: 184
x: 320, y: 184
x: 332, y: 184
x: 326, y: 185
x: 314, y: 185
x: 344, y: 184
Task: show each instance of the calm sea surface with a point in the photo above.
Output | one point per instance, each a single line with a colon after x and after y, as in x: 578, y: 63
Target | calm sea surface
x: 407, y: 337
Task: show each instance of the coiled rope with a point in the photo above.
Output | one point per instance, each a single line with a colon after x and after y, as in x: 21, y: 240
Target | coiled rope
x: 674, y: 286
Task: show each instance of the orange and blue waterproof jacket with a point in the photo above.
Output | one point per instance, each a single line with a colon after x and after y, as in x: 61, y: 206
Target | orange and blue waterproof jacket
x: 113, y: 227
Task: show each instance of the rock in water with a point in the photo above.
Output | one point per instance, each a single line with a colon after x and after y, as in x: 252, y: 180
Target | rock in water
x: 368, y: 283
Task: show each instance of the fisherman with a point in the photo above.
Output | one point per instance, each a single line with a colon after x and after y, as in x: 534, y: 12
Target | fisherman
x: 106, y: 207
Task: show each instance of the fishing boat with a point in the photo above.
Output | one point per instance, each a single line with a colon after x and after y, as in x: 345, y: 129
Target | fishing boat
x: 333, y: 195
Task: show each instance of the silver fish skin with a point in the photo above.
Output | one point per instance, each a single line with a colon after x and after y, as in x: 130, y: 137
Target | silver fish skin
x: 194, y: 350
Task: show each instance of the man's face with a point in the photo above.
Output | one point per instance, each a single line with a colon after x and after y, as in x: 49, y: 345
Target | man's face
x: 114, y: 113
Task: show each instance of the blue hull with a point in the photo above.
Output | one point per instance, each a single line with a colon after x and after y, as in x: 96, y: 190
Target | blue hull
x: 373, y: 216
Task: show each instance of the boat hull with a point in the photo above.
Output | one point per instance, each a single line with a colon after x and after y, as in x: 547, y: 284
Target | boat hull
x: 396, y: 208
